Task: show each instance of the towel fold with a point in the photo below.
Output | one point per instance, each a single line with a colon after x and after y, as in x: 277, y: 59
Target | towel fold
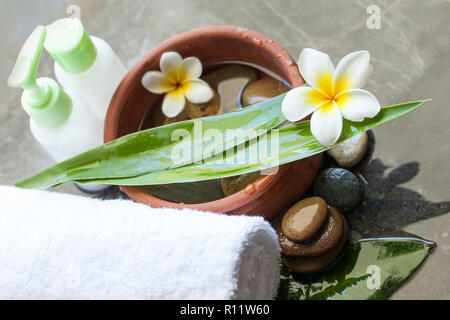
x: 60, y: 246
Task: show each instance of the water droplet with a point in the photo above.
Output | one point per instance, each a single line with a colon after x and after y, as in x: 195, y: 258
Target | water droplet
x: 250, y: 189
x: 240, y: 30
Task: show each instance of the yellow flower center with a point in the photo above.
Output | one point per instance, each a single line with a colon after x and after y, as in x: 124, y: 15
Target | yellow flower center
x: 328, y: 93
x: 177, y: 79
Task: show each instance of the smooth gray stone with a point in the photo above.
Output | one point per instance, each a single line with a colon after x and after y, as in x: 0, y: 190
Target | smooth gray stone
x: 339, y: 187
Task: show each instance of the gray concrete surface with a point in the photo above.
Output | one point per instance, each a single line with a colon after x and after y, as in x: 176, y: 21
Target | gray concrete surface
x: 410, y: 181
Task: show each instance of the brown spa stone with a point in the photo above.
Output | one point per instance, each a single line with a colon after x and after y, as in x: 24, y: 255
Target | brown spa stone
x: 262, y: 90
x: 302, y: 221
x: 315, y: 264
x: 215, y: 77
x: 327, y: 238
x: 228, y: 82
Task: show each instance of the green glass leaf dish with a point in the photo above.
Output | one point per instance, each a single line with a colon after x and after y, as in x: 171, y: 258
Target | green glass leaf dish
x: 370, y: 269
x: 294, y: 141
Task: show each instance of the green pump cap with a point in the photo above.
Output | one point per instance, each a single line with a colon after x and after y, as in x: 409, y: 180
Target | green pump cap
x: 43, y: 99
x: 70, y: 45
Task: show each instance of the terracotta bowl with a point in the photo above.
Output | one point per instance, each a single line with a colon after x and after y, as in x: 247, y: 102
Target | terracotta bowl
x: 213, y: 45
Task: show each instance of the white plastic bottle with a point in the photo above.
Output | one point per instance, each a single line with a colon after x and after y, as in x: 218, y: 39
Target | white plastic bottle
x: 64, y: 126
x: 85, y: 65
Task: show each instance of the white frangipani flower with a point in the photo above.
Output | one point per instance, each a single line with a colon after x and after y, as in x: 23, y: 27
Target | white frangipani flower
x: 178, y: 80
x: 334, y: 93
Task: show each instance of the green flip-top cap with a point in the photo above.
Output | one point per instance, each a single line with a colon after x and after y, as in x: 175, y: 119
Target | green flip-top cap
x: 70, y: 45
x: 43, y: 99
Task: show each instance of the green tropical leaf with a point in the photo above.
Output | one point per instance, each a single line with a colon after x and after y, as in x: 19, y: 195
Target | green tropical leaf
x: 368, y: 269
x: 293, y: 142
x: 150, y: 150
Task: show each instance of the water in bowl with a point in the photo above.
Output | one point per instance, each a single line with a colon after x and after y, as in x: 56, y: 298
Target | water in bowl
x: 236, y: 85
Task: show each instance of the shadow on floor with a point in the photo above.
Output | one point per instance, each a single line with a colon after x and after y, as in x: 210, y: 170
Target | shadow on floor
x: 387, y: 207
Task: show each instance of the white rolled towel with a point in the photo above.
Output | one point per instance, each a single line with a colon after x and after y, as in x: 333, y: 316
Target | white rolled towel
x: 60, y: 246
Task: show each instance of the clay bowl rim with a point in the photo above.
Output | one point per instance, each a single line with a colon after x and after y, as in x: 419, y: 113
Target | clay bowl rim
x: 292, y: 75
